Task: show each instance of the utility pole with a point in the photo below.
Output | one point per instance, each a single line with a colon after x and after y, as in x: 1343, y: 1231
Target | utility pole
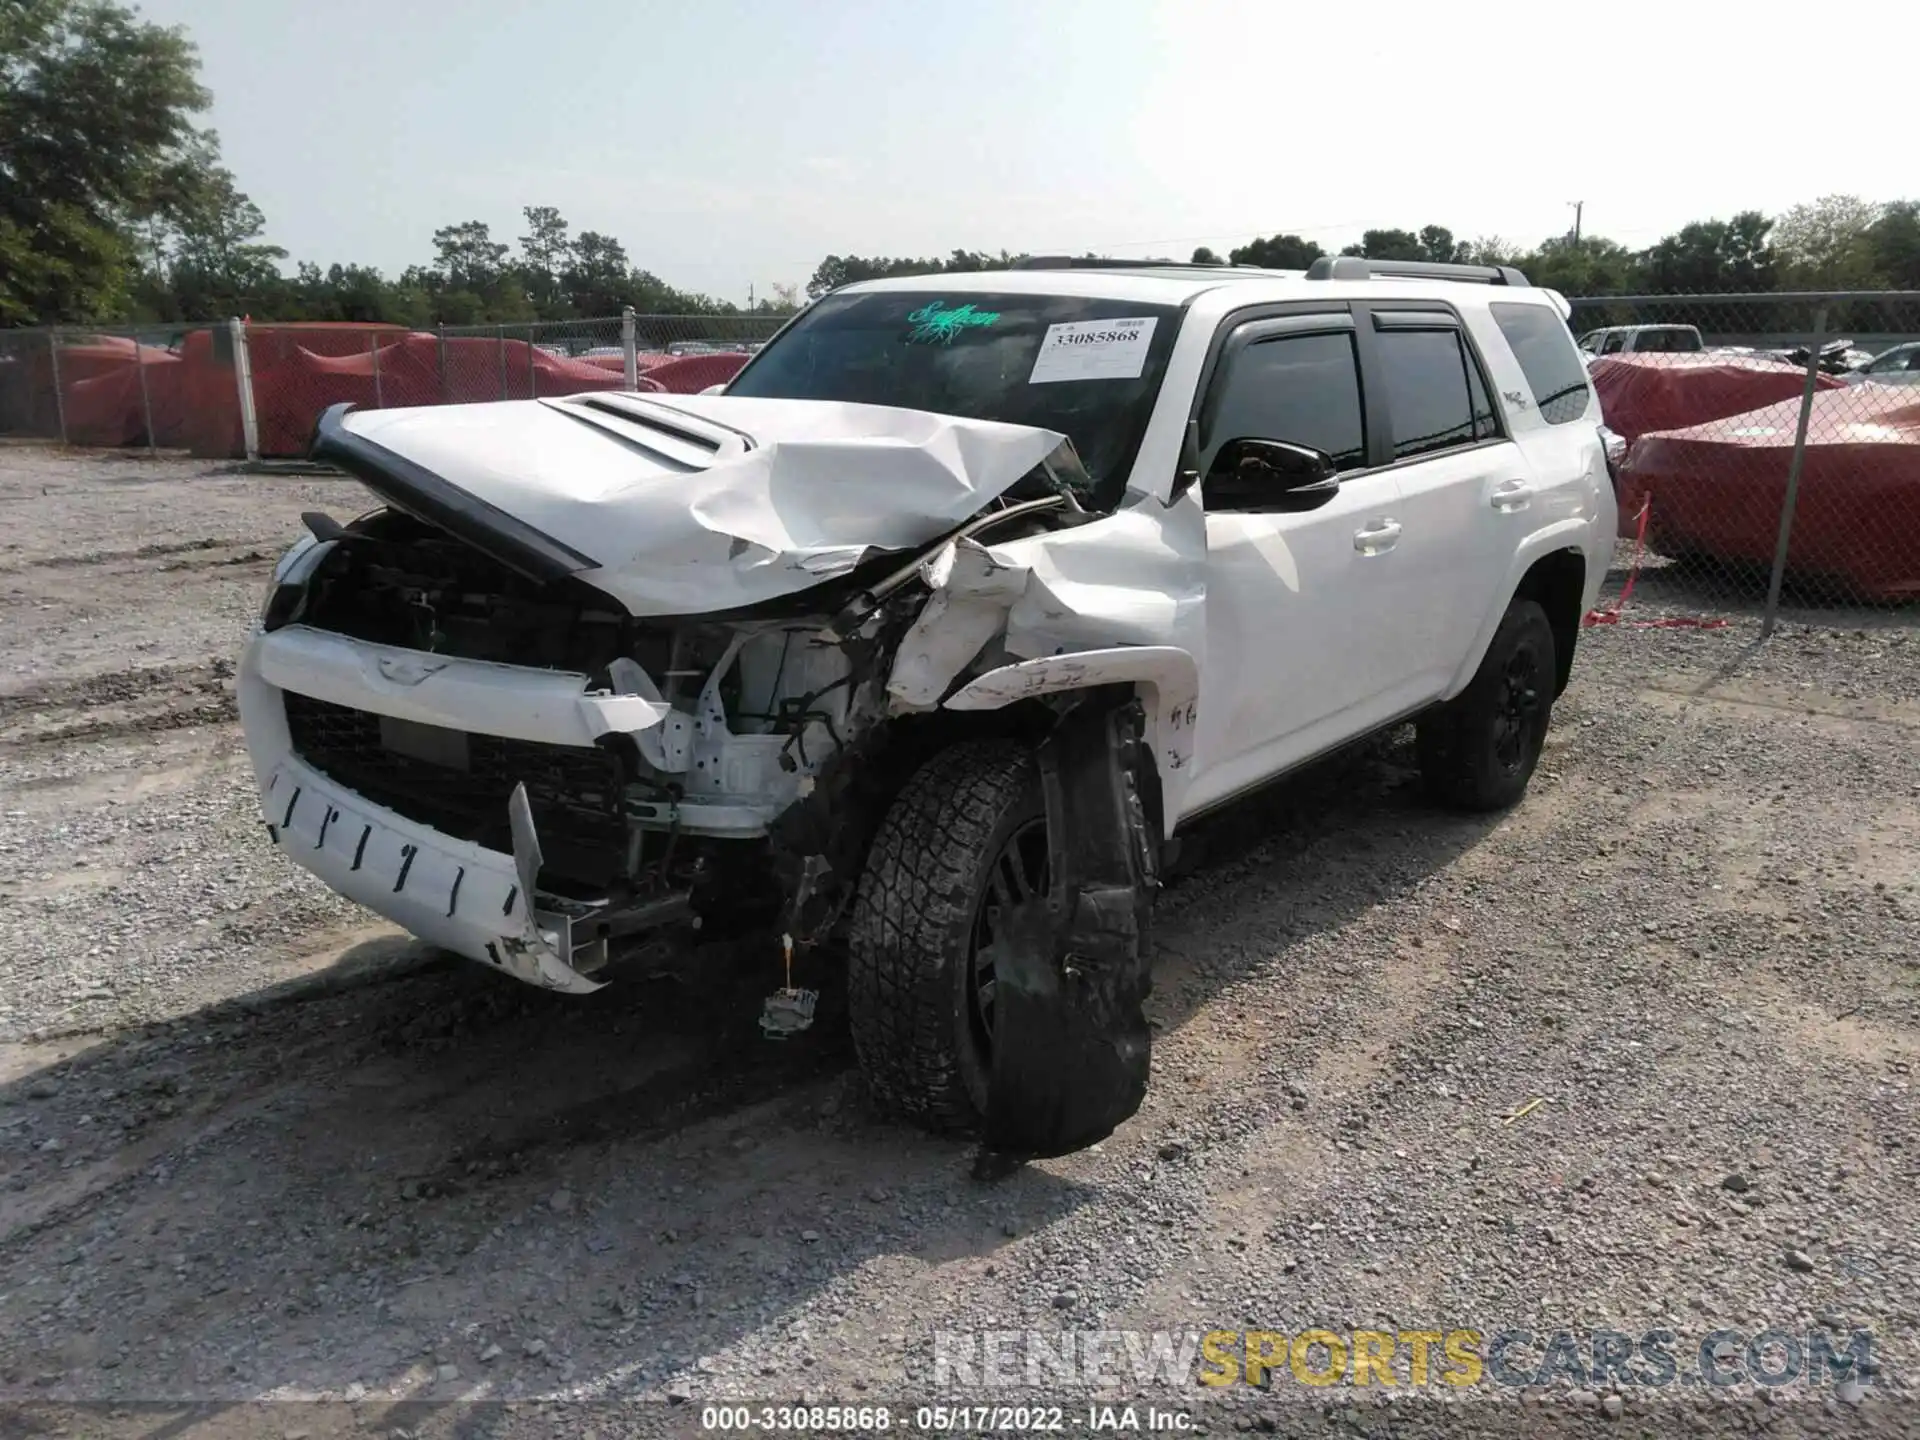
x: 1579, y: 206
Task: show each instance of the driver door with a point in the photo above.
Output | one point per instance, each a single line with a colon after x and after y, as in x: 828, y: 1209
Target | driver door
x: 1300, y: 589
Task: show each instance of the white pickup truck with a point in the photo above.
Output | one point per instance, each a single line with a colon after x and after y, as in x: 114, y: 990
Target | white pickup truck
x: 914, y: 650
x: 1643, y: 340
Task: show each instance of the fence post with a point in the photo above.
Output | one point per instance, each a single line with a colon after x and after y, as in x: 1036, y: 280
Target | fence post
x: 500, y: 350
x: 629, y: 355
x: 533, y: 376
x: 1793, y: 476
x: 59, y: 400
x: 243, y: 383
x: 373, y: 349
x: 146, y: 401
x: 440, y: 356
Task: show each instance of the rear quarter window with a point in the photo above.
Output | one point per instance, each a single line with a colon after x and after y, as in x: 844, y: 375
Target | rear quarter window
x: 1544, y: 347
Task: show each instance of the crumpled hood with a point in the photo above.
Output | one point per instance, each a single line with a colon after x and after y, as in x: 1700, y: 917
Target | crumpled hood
x: 691, y: 503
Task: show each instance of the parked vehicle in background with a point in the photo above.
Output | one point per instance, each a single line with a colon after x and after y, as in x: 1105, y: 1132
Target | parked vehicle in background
x: 1714, y: 492
x: 1835, y: 357
x: 915, y: 651
x: 1640, y: 339
x: 1897, y: 366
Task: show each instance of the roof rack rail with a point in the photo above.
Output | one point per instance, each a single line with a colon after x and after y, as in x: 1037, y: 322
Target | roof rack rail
x: 1105, y: 262
x: 1358, y: 267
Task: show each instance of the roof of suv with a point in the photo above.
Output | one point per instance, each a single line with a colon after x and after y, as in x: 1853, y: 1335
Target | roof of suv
x: 1175, y: 284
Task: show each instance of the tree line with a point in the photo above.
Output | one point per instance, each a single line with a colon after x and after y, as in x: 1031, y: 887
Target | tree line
x: 115, y: 207
x: 1839, y: 242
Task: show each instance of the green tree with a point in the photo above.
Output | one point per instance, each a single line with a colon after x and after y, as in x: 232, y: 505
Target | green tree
x: 1437, y: 243
x: 1276, y: 252
x: 545, y: 253
x: 1204, y: 256
x: 95, y: 105
x: 1490, y: 250
x: 1714, y: 255
x: 1825, y: 243
x: 1390, y: 245
x: 1894, y: 241
x: 468, y: 257
x: 596, y: 275
x: 838, y: 270
x: 1591, y: 265
x: 219, y: 232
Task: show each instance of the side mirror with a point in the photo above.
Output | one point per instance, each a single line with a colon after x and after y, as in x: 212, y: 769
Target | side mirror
x: 1255, y: 474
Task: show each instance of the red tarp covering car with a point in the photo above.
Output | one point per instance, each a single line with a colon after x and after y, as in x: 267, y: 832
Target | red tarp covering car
x: 100, y: 390
x: 690, y: 374
x: 1643, y: 393
x: 1717, y: 489
x: 99, y: 393
x: 292, y: 385
x: 298, y: 371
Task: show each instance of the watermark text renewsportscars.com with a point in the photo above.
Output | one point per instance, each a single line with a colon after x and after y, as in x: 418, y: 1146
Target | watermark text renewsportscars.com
x: 1453, y: 1356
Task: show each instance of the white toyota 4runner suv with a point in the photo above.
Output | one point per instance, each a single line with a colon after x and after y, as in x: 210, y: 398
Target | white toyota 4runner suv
x: 913, y: 651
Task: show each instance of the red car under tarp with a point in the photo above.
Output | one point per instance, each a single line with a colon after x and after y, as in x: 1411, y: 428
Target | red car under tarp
x: 1717, y: 489
x: 1642, y: 393
x: 293, y: 384
x: 678, y: 374
x: 100, y: 389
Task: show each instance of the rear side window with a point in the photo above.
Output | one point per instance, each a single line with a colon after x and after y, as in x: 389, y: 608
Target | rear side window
x: 1434, y: 394
x: 1547, y: 358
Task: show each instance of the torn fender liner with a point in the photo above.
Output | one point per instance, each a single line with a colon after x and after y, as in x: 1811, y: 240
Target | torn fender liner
x: 708, y: 504
x: 1071, y: 1050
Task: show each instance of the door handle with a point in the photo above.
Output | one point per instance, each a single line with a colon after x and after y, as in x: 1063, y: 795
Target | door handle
x: 1377, y: 538
x: 1511, y: 495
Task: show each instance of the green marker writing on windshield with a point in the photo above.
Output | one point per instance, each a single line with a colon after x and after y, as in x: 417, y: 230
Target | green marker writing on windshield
x: 932, y: 325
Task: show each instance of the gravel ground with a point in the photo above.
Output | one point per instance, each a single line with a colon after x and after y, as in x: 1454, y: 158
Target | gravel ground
x: 256, y: 1145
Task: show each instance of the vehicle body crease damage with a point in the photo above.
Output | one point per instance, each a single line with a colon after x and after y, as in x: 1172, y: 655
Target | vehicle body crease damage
x: 891, y: 661
x: 780, y: 715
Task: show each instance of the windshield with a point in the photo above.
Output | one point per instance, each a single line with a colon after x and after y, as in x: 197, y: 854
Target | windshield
x: 1087, y: 368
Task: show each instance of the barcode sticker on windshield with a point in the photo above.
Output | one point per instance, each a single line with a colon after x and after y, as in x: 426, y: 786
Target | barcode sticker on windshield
x: 1093, y: 350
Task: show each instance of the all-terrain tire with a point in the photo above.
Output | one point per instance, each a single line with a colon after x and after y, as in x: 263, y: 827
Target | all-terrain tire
x: 909, y: 939
x: 1478, y: 750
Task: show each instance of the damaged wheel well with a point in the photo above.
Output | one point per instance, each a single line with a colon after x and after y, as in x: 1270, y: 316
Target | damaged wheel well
x: 837, y: 821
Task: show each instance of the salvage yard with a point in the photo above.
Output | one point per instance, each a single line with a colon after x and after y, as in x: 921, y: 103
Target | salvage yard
x: 254, y: 1142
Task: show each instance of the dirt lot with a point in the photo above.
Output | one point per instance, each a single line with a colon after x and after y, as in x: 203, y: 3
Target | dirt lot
x: 254, y: 1143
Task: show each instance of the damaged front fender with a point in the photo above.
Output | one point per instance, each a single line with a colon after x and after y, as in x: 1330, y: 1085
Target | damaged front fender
x: 1119, y: 600
x: 1166, y: 679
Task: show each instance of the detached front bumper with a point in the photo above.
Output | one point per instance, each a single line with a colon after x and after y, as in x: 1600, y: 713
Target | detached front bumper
x: 459, y: 896
x: 475, y: 901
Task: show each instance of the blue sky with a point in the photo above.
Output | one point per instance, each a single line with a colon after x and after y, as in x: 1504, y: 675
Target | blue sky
x: 736, y: 142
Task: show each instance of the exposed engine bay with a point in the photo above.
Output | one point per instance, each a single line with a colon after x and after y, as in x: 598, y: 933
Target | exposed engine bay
x: 553, y: 764
x: 725, y: 814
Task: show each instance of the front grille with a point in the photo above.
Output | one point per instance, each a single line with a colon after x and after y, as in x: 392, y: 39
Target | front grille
x: 574, y: 792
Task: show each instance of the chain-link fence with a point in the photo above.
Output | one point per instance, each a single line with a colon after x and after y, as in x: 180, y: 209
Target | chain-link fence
x: 1773, y: 450
x: 1773, y: 440
x: 255, y: 390
x: 92, y: 387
